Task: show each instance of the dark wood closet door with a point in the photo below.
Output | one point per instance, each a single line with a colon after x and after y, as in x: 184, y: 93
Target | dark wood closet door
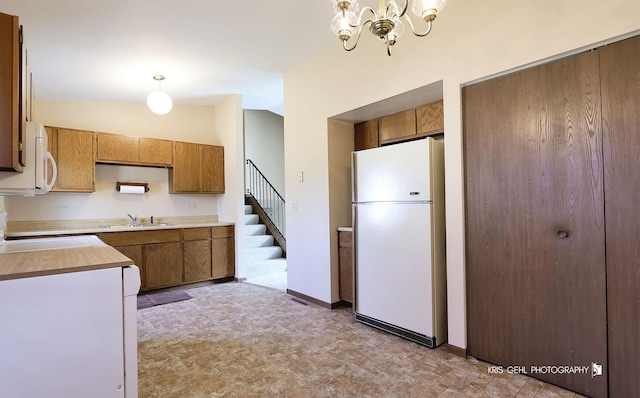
x: 620, y: 74
x: 535, y: 222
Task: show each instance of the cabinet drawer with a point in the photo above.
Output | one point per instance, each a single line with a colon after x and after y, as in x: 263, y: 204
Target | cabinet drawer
x: 222, y: 232
x: 197, y: 233
x: 140, y: 237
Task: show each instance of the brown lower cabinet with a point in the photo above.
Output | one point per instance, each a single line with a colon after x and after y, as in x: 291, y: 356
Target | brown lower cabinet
x: 172, y: 257
x: 550, y: 177
x: 163, y: 264
x: 223, y: 247
x: 345, y: 265
x: 197, y: 254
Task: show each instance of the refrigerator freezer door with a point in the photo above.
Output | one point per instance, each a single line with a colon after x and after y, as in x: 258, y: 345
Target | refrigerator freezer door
x: 393, y: 173
x: 393, y: 270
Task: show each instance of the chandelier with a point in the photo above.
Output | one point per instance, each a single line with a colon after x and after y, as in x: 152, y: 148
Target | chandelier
x: 385, y: 23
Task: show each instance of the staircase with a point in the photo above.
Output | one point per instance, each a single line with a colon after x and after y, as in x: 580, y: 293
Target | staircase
x: 265, y: 265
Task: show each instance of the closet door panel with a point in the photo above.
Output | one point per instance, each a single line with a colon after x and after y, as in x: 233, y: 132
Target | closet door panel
x: 620, y: 74
x: 495, y: 177
x: 535, y: 232
x: 565, y: 264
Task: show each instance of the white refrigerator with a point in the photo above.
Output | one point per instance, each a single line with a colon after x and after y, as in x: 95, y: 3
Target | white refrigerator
x: 399, y: 240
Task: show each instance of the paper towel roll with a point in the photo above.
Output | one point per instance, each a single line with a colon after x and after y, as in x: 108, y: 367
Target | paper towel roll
x: 135, y: 189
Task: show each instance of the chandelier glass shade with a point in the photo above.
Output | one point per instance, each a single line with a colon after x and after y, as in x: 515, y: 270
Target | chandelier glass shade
x: 388, y: 22
x: 158, y: 101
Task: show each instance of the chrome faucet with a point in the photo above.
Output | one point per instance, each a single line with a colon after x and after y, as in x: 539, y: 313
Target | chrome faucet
x: 133, y: 218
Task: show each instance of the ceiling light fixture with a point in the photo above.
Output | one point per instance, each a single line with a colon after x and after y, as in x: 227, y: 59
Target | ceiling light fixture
x: 385, y: 23
x: 158, y: 101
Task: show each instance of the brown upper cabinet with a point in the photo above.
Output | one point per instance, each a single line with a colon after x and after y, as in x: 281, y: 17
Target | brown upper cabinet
x: 366, y: 135
x: 423, y: 121
x: 197, y: 168
x: 398, y: 126
x: 138, y: 151
x: 11, y: 112
x: 430, y: 118
x: 74, y: 152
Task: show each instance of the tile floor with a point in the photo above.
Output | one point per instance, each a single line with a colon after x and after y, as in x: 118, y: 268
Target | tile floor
x: 243, y: 340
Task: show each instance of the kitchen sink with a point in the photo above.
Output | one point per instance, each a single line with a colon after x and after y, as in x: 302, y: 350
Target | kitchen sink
x: 146, y: 225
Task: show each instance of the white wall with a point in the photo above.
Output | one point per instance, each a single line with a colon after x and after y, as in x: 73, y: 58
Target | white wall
x: 231, y: 204
x: 264, y: 145
x: 185, y: 123
x: 470, y: 40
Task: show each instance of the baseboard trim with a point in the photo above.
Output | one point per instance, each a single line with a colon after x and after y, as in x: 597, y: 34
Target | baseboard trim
x: 457, y: 351
x: 309, y: 299
x: 225, y: 279
x: 341, y: 304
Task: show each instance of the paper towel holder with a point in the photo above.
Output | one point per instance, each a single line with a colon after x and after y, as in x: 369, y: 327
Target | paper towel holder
x: 135, y: 184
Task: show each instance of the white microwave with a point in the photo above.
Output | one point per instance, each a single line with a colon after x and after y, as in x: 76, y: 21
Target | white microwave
x: 34, y: 179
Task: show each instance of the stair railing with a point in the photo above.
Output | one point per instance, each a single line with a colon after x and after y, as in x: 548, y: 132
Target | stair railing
x: 271, y: 202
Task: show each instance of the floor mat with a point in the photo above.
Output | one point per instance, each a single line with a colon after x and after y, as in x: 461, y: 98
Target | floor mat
x: 150, y: 300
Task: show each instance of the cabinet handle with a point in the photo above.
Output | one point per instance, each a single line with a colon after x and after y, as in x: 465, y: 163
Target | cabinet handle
x: 563, y: 234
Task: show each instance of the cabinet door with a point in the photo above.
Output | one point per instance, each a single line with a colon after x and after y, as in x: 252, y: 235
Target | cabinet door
x: 536, y: 285
x: 117, y: 148
x: 185, y: 175
x: 163, y: 264
x: 398, y: 126
x: 197, y: 260
x: 365, y: 135
x: 620, y: 73
x: 154, y: 151
x: 212, y: 170
x: 430, y: 118
x: 223, y: 252
x: 75, y: 161
x: 345, y: 265
x: 9, y: 93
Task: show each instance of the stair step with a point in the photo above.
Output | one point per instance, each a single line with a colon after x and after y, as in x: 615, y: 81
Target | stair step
x: 251, y: 219
x: 258, y: 241
x: 255, y: 229
x: 263, y: 253
x: 248, y: 209
x: 266, y: 267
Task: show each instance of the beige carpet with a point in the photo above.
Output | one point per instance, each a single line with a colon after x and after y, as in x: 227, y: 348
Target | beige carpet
x: 242, y: 340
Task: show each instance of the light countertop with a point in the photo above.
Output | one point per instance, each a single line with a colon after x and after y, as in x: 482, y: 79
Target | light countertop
x: 345, y: 229
x: 28, y: 229
x: 50, y: 256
